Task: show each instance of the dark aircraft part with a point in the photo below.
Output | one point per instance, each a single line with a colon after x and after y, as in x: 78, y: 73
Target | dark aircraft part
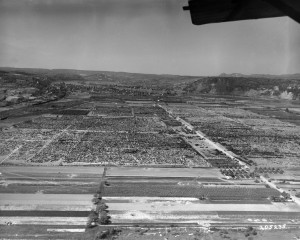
x: 216, y: 11
x: 290, y: 8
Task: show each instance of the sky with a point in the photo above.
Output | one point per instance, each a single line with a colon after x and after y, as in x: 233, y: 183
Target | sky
x: 145, y: 36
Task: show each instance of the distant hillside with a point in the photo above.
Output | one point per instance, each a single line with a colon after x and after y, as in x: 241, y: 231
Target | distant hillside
x: 284, y: 76
x: 281, y: 87
x: 106, y: 77
x: 247, y: 86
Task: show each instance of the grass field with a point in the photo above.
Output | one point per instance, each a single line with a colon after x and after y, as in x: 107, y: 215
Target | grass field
x: 191, y: 189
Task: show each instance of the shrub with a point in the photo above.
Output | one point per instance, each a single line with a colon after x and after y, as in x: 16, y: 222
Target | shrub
x: 103, y: 235
x: 96, y: 200
x: 101, y: 207
x: 108, y: 234
x: 104, y: 219
x: 92, y: 218
x: 98, y: 195
x: 101, y: 188
x: 143, y: 231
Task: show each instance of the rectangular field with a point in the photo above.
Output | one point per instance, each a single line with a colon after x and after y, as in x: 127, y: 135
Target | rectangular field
x: 186, y: 189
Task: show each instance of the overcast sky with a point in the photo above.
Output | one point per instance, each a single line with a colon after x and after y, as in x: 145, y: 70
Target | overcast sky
x: 147, y: 36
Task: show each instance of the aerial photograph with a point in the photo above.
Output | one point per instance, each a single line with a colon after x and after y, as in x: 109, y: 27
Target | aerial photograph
x: 150, y: 119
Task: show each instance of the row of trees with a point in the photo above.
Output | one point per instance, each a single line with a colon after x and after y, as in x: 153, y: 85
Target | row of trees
x: 100, y: 214
x: 268, y: 170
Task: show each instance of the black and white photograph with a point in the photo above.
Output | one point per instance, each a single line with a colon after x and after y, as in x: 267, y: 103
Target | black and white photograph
x: 150, y: 119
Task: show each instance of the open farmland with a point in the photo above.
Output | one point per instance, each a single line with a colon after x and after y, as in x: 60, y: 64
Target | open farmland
x: 50, y: 180
x: 109, y: 138
x: 99, y: 141
x: 150, y: 197
x: 193, y: 183
x: 160, y: 162
x: 36, y: 199
x: 187, y: 189
x: 246, y: 133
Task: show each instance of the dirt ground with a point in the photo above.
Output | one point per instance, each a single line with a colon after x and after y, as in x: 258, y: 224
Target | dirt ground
x: 189, y: 234
x: 164, y: 172
x: 40, y: 232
